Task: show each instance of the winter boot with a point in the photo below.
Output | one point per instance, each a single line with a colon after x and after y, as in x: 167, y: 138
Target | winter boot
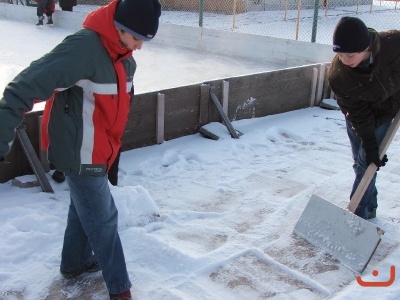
x: 49, y: 20
x: 371, y: 214
x: 58, y: 176
x: 121, y: 296
x: 40, y: 22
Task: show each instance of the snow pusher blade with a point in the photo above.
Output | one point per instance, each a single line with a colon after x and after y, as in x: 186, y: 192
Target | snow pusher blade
x: 347, y: 237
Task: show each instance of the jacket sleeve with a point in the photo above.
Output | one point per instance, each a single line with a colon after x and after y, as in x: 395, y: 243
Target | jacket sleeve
x: 357, y: 111
x: 61, y: 68
x: 360, y: 116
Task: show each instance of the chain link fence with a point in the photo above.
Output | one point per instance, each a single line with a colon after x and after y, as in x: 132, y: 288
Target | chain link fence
x: 304, y: 20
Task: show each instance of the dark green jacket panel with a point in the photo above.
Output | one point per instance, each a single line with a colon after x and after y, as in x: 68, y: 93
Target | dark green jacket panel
x: 65, y: 129
x: 60, y: 68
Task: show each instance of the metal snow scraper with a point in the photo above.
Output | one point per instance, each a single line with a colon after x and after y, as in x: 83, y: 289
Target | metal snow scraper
x: 33, y: 160
x: 347, y: 237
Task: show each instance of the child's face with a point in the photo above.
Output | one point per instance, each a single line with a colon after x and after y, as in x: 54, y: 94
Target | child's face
x: 352, y: 60
x: 129, y: 41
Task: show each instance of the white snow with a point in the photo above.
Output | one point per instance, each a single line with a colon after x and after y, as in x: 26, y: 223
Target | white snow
x: 199, y: 218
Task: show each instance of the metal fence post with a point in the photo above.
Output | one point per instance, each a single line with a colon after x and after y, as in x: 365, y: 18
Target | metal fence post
x: 315, y: 22
x: 201, y: 10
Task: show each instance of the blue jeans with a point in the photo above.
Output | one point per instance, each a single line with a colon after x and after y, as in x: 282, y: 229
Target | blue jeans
x: 369, y: 201
x: 92, y: 232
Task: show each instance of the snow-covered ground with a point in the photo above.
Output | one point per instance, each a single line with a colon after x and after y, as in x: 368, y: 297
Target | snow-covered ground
x: 227, y: 208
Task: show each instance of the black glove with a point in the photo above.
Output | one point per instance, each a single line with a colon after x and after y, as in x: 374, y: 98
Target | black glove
x: 384, y: 160
x: 372, y: 154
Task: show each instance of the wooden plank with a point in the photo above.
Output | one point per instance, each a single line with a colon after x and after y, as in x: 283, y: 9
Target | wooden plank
x: 204, y: 117
x: 320, y: 86
x: 313, y: 86
x: 225, y: 94
x: 160, y: 118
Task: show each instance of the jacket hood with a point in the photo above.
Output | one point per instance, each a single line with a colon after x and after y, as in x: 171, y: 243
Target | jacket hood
x: 101, y: 21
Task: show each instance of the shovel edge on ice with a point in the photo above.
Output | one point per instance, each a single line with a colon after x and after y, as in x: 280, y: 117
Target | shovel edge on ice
x: 347, y: 237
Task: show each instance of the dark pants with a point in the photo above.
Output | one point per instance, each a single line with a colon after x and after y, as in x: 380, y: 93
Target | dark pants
x: 45, y: 6
x: 369, y: 201
x: 67, y: 8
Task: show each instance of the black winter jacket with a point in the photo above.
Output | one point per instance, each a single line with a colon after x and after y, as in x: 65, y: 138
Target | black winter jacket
x: 369, y: 96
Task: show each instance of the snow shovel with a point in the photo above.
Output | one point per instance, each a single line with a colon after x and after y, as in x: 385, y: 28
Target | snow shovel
x: 347, y: 237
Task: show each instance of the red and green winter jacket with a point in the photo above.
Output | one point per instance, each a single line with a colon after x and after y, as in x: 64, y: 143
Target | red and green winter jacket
x: 89, y: 81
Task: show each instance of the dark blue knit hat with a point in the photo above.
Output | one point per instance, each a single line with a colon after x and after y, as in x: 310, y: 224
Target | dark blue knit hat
x: 351, y: 36
x: 138, y: 17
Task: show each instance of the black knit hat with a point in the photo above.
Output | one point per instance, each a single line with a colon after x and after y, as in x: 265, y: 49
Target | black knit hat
x: 351, y: 36
x: 138, y: 17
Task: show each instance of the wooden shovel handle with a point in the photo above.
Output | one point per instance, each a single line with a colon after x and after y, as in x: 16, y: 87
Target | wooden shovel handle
x: 369, y: 173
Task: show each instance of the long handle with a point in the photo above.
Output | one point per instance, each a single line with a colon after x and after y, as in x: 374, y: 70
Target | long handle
x: 372, y: 168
